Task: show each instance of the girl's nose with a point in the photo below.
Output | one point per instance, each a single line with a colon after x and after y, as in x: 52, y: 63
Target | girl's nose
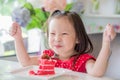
x: 58, y: 38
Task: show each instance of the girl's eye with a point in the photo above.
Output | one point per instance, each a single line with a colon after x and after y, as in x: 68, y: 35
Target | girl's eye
x: 52, y: 33
x: 64, y: 33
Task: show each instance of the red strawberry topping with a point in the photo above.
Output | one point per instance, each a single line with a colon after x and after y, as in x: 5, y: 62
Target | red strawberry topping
x: 48, y: 52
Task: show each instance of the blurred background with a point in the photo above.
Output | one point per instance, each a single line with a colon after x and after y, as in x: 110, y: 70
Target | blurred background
x: 95, y: 14
x: 31, y: 16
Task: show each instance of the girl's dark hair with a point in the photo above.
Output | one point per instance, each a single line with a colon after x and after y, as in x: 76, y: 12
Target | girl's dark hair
x: 84, y: 44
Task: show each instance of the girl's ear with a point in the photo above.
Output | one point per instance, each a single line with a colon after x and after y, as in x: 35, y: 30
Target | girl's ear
x: 77, y: 40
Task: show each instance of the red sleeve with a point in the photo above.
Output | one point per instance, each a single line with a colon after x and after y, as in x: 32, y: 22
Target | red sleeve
x: 81, y: 62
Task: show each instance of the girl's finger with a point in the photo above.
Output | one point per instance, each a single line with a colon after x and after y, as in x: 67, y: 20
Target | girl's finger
x: 109, y: 29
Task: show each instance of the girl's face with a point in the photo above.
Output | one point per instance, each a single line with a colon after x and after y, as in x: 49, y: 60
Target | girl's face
x: 62, y: 37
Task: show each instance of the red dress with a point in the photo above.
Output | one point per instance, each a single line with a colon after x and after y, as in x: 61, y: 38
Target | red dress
x: 79, y: 65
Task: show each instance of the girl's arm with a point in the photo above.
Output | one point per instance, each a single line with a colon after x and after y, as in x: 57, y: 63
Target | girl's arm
x: 22, y: 55
x: 98, y: 67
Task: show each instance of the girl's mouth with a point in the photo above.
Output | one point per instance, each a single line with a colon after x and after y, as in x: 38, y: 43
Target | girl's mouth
x: 58, y: 46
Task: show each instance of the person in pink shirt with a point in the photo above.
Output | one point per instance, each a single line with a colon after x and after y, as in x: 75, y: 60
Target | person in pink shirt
x: 68, y: 40
x: 52, y: 5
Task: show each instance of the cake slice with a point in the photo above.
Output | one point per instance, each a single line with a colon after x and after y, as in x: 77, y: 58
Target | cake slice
x: 46, y: 64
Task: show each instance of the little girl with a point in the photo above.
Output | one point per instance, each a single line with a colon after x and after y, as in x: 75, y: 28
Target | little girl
x: 69, y: 41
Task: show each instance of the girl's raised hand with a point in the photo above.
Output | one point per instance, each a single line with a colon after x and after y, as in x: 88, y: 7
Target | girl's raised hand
x: 109, y: 33
x: 15, y: 30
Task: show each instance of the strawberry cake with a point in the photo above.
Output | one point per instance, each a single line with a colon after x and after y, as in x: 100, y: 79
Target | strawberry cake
x: 46, y: 64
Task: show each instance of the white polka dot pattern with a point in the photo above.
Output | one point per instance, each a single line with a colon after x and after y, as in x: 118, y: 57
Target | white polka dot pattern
x: 79, y: 65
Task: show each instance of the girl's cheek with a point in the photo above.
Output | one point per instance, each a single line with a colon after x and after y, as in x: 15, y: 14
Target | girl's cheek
x: 50, y: 40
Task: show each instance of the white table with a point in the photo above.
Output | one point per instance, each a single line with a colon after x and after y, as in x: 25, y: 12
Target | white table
x: 7, y: 66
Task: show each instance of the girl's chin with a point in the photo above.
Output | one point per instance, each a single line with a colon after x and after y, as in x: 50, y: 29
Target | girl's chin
x: 57, y: 52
